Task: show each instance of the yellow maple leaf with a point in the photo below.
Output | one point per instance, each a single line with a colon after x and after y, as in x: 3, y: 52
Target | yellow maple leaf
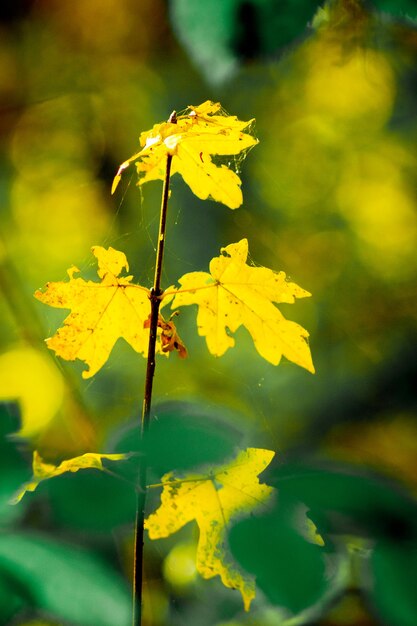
x: 214, y: 499
x: 236, y: 294
x: 101, y: 312
x: 196, y: 135
x: 44, y: 471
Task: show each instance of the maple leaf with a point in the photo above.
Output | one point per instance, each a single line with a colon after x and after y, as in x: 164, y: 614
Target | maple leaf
x: 236, y: 294
x: 44, y: 471
x: 101, y: 312
x: 196, y: 135
x: 214, y: 499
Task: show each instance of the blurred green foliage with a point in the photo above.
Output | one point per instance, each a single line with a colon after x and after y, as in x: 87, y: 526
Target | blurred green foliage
x: 401, y: 8
x: 393, y: 592
x: 62, y: 580
x: 329, y: 197
x: 219, y: 35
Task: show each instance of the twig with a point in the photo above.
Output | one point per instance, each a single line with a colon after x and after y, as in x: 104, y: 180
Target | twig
x: 155, y: 298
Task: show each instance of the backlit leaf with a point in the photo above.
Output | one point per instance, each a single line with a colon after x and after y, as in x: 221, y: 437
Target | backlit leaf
x: 101, y: 312
x: 235, y: 294
x: 201, y: 132
x: 214, y: 499
x: 44, y: 471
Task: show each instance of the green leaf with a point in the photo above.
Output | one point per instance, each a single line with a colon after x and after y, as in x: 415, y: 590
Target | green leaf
x: 14, y: 469
x: 344, y: 501
x: 290, y: 568
x: 11, y: 600
x: 91, y: 501
x: 218, y: 34
x: 184, y: 435
x: 64, y: 581
x: 393, y: 589
x: 398, y: 8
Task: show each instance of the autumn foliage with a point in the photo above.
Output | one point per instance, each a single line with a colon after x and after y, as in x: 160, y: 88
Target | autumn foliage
x: 231, y: 295
x: 195, y: 136
x: 214, y: 499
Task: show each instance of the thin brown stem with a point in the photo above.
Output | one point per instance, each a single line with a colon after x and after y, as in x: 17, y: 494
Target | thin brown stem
x: 155, y: 298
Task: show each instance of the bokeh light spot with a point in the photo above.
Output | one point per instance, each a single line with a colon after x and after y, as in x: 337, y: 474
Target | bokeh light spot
x: 29, y: 377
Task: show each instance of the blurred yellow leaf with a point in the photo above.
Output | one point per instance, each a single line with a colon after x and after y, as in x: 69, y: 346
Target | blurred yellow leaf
x: 202, y: 131
x: 236, y: 294
x: 44, y: 471
x: 101, y: 312
x: 215, y: 498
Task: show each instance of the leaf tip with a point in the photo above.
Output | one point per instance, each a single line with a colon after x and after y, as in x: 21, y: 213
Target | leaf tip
x: 116, y: 181
x: 87, y: 374
x: 71, y: 271
x: 118, y: 177
x: 17, y: 497
x: 307, y: 362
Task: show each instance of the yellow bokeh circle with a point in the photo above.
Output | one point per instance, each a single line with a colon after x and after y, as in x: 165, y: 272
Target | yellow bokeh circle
x: 30, y: 378
x: 347, y: 87
x: 179, y: 566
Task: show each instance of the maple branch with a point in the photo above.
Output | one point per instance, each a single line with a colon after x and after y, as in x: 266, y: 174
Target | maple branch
x: 155, y: 298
